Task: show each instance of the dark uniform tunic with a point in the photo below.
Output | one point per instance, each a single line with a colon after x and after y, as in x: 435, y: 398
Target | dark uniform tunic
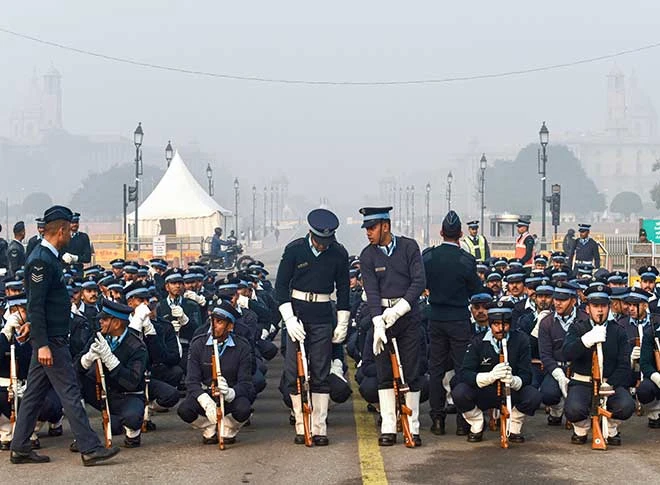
x: 301, y: 270
x: 163, y: 357
x: 481, y: 356
x: 451, y: 276
x: 585, y: 250
x: 551, y: 344
x: 81, y: 247
x: 616, y: 371
x: 399, y: 275
x: 632, y: 331
x: 648, y: 391
x: 236, y: 368
x: 125, y: 383
x: 33, y: 243
x: 15, y: 257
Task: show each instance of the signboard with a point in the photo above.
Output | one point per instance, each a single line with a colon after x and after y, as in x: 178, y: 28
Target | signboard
x: 652, y: 227
x: 159, y: 246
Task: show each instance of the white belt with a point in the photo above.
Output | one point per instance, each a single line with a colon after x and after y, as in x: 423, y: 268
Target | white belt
x: 581, y: 378
x: 5, y: 381
x: 389, y: 302
x: 310, y: 297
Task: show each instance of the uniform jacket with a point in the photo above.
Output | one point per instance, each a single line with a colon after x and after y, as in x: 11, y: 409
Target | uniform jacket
x: 15, y: 257
x: 32, y: 243
x: 585, y: 252
x: 81, y: 247
x: 190, y: 308
x: 551, y: 343
x: 647, y: 358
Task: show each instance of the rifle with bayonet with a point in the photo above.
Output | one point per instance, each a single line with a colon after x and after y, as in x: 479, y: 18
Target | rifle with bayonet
x: 217, y: 394
x: 102, y: 397
x: 601, y: 390
x: 304, y: 391
x: 400, y: 391
x: 145, y: 417
x: 504, y: 393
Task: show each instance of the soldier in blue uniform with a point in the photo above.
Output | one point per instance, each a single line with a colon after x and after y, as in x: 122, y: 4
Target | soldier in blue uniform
x: 648, y: 391
x: 479, y: 310
x: 199, y: 408
x: 79, y: 250
x: 476, y: 390
x: 48, y: 311
x: 451, y: 279
x: 15, y: 250
x: 581, y: 339
x: 310, y: 270
x: 393, y: 276
x: 36, y: 239
x: 117, y: 266
x: 585, y: 249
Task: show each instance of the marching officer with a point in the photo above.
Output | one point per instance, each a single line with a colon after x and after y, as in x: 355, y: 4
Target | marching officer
x: 581, y: 339
x: 79, y: 250
x: 312, y: 267
x: 524, y: 243
x: 585, y: 249
x: 36, y: 239
x: 15, y: 250
x: 451, y: 279
x: 393, y: 277
x: 476, y: 244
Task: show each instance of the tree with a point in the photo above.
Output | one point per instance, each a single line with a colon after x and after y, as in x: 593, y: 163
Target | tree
x: 36, y: 203
x: 515, y: 186
x: 626, y: 203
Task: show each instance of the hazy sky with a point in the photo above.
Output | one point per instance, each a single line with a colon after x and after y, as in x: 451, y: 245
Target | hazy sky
x: 327, y: 131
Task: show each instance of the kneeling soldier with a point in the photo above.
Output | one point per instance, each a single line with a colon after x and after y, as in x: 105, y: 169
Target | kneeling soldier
x: 477, y: 388
x: 199, y: 408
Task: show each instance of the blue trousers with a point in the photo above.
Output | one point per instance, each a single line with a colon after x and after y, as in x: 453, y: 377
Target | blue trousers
x: 62, y: 377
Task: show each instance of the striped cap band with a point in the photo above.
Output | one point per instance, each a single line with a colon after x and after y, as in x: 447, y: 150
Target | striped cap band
x: 382, y: 215
x: 219, y: 312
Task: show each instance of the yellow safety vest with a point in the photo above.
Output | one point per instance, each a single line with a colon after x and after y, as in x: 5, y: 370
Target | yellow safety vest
x: 477, y: 250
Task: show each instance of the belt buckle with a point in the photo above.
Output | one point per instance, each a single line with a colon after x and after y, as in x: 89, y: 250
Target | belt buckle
x: 311, y: 297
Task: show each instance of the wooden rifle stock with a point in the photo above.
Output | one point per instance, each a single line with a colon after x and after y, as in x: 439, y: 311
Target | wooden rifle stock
x: 217, y: 394
x: 12, y: 391
x: 302, y: 385
x: 145, y: 417
x: 598, y: 411
x: 656, y: 353
x: 102, y: 397
x: 400, y: 391
x: 505, y: 398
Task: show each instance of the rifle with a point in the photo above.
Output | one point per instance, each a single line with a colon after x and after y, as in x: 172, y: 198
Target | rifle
x: 400, y: 391
x: 302, y: 385
x: 656, y: 353
x: 12, y: 390
x: 505, y: 401
x: 217, y: 395
x: 637, y: 368
x: 145, y: 418
x: 102, y: 397
x: 599, y: 400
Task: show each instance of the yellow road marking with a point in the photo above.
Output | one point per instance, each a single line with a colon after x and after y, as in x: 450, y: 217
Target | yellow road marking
x: 371, y: 461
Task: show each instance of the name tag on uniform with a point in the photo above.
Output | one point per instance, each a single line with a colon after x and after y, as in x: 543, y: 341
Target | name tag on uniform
x: 302, y: 265
x: 379, y: 269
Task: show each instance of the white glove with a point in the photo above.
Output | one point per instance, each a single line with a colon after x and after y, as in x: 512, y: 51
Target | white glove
x: 102, y: 349
x: 391, y: 315
x: 226, y: 391
x: 636, y: 353
x: 500, y: 371
x: 74, y: 309
x: 294, y: 327
x: 272, y: 328
x: 190, y: 295
x: 341, y: 329
x: 177, y: 311
x: 264, y: 334
x: 380, y: 338
x: 244, y: 301
x: 209, y: 407
x: 655, y: 377
x: 142, y: 311
x: 69, y: 258
x: 148, y: 327
x: 516, y: 383
x: 562, y: 380
x: 11, y: 326
x: 337, y: 368
x: 201, y: 300
x: 594, y: 336
x: 87, y: 360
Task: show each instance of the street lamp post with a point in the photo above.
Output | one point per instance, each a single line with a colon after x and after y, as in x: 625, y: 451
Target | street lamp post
x: 277, y: 204
x: 427, y: 236
x: 138, y: 135
x: 169, y: 153
x: 236, y: 207
x: 412, y: 210
x: 254, y: 211
x: 265, y: 210
x: 209, y: 175
x: 544, y: 135
x: 407, y: 210
x: 272, y: 200
x: 483, y: 163
x: 450, y: 179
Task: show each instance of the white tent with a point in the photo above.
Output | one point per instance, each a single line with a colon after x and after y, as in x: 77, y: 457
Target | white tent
x: 179, y: 205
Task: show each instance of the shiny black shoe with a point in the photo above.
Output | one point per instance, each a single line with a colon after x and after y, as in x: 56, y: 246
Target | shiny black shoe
x: 320, y: 440
x: 417, y: 440
x: 132, y: 442
x: 450, y: 409
x: 438, y: 426
x: 35, y: 444
x: 578, y: 440
x: 150, y: 426
x: 516, y: 438
x: 554, y: 420
x: 213, y: 440
x: 55, y: 431
x: 654, y: 423
x: 299, y: 439
x: 614, y: 440
x: 229, y: 440
x: 18, y: 458
x: 73, y: 447
x: 475, y: 437
x: 387, y: 439
x: 5, y: 445
x: 99, y: 455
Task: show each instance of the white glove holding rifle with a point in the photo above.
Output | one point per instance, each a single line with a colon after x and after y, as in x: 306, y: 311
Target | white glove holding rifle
x: 294, y: 327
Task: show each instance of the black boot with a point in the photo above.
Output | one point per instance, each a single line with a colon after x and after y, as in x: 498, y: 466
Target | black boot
x: 417, y: 440
x: 578, y: 440
x: 57, y: 431
x: 654, y: 423
x: 614, y: 440
x: 99, y: 455
x: 320, y: 440
x: 438, y: 426
x: 462, y: 426
x: 213, y: 440
x: 554, y: 420
x: 387, y: 439
x: 17, y: 458
x: 299, y: 439
x: 132, y: 442
x: 475, y: 437
x: 516, y: 438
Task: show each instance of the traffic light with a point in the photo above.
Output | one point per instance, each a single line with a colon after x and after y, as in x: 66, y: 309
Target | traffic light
x: 132, y: 193
x: 555, y: 204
